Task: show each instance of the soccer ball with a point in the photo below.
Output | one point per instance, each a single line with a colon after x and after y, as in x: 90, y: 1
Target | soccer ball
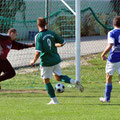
x: 59, y: 87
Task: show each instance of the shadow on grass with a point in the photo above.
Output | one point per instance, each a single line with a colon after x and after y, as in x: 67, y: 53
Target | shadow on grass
x: 104, y: 104
x: 79, y: 96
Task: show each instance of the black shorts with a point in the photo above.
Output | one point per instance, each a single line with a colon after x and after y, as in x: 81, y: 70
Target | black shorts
x: 5, y: 66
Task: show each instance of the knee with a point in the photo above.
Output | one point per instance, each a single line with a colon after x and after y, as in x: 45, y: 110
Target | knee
x: 56, y: 77
x: 108, y: 78
x: 12, y: 73
x: 46, y: 81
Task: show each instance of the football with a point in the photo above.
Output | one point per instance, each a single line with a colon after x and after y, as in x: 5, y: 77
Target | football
x: 59, y: 87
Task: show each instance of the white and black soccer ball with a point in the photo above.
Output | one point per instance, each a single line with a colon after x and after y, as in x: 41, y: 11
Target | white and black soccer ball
x: 59, y: 87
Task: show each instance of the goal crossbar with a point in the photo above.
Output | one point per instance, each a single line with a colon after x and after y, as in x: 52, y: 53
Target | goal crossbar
x: 68, y: 7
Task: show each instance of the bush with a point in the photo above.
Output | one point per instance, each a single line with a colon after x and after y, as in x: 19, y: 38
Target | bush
x: 65, y: 25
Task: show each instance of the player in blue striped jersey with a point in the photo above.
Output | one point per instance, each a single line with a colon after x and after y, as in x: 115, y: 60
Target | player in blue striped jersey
x: 113, y: 61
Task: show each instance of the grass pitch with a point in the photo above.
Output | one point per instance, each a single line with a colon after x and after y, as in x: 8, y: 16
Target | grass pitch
x: 73, y: 104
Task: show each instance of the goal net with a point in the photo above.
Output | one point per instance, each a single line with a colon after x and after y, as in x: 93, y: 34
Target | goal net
x: 22, y: 15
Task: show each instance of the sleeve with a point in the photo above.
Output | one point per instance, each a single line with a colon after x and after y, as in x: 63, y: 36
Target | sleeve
x: 38, y: 44
x: 59, y: 39
x: 18, y: 45
x: 110, y: 37
x: 36, y: 38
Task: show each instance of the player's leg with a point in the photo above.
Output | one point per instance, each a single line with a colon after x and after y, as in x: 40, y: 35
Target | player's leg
x: 7, y: 69
x: 0, y: 68
x: 64, y: 78
x: 119, y: 78
x: 110, y: 69
x: 59, y: 77
x: 108, y: 87
x: 46, y: 74
x: 0, y: 71
x: 119, y: 75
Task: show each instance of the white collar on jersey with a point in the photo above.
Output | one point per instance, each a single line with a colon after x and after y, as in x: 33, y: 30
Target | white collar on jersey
x: 116, y: 28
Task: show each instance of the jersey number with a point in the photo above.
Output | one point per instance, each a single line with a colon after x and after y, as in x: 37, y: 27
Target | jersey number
x: 49, y: 42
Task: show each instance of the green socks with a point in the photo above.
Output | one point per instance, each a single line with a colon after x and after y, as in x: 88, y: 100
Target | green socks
x: 50, y: 90
x: 65, y: 78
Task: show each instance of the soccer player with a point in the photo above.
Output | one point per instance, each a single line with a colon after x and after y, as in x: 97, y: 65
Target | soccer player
x: 46, y: 47
x: 113, y: 62
x: 119, y: 75
x: 7, y: 42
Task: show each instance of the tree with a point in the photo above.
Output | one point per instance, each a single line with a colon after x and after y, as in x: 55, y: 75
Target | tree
x: 8, y: 10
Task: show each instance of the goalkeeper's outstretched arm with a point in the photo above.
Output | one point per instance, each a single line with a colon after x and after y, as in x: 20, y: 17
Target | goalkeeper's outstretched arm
x: 18, y: 45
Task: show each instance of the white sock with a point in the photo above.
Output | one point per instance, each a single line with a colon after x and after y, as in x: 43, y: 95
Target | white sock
x: 72, y: 81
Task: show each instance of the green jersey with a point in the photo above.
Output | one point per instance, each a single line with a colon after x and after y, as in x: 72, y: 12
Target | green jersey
x: 45, y: 44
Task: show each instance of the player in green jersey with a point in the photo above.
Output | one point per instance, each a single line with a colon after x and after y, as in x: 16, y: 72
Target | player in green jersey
x: 46, y: 48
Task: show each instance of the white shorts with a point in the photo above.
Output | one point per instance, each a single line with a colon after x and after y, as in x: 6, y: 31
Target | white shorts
x: 112, y: 67
x: 47, y: 72
x: 119, y: 71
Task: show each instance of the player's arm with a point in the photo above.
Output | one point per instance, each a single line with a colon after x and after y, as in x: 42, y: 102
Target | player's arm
x: 107, y: 49
x: 59, y: 45
x: 59, y: 41
x: 111, y: 40
x: 38, y: 48
x: 37, y: 54
x: 18, y: 45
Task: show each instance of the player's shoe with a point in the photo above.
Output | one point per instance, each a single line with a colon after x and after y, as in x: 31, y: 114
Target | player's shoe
x: 119, y: 82
x: 79, y: 86
x: 102, y: 99
x: 53, y: 102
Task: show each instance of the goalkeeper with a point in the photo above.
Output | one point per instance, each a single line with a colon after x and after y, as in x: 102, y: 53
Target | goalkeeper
x: 7, y: 42
x: 46, y: 47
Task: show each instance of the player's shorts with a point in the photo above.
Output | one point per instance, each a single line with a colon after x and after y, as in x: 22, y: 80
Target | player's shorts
x: 47, y: 72
x: 112, y: 67
x: 119, y: 70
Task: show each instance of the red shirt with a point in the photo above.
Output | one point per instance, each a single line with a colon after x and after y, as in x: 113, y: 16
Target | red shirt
x: 6, y: 44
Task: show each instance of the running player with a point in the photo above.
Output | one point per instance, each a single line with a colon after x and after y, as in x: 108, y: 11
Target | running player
x: 46, y: 47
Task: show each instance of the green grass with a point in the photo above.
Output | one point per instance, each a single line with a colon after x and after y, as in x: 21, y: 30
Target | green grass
x: 73, y: 104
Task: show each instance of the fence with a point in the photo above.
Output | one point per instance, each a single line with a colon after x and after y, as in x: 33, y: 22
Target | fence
x: 96, y: 20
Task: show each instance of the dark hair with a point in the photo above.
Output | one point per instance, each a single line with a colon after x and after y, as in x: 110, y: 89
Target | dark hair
x: 116, y: 21
x: 41, y: 22
x: 12, y: 30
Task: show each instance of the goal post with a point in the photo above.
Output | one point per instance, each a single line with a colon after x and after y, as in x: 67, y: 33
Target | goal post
x: 82, y: 23
x: 77, y: 40
x: 77, y: 36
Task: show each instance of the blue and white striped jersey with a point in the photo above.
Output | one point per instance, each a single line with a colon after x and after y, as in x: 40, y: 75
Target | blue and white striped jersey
x: 114, y: 38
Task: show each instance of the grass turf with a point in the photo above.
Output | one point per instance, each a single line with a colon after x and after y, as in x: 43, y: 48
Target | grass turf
x: 73, y: 104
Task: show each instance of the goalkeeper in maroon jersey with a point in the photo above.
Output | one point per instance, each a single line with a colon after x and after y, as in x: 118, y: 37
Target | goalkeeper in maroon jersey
x: 7, y: 42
